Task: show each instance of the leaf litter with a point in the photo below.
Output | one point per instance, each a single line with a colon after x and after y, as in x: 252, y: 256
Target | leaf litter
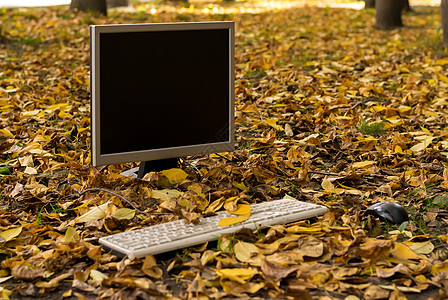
x: 328, y: 110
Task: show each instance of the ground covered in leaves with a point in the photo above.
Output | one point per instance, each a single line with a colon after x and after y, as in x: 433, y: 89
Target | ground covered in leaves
x: 328, y: 110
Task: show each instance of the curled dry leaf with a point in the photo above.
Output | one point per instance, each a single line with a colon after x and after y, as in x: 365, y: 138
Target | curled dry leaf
x: 150, y: 267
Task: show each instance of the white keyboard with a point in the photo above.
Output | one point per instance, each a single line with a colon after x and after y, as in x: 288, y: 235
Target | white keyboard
x: 176, y: 234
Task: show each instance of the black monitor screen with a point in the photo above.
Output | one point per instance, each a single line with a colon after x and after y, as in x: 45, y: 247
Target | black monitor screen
x: 163, y: 89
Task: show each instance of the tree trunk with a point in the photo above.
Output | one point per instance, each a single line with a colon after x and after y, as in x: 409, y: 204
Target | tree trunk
x: 369, y: 3
x: 180, y: 2
x: 406, y: 6
x: 117, y: 3
x: 388, y: 14
x: 444, y: 9
x: 92, y: 5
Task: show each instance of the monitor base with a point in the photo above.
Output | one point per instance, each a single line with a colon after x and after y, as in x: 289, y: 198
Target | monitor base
x: 151, y: 166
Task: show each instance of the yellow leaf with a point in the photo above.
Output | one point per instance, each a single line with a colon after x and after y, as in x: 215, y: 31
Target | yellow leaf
x: 231, y: 287
x: 243, y: 209
x: 11, y: 233
x: 425, y: 130
x: 175, y: 175
x: 208, y: 255
x: 439, y: 268
x: 244, y: 251
x: 420, y: 248
x: 403, y: 252
x: 233, y: 220
x: 215, y: 205
x: 421, y: 146
x: 237, y: 274
x: 64, y: 115
x: 30, y: 113
x: 4, y: 293
x: 327, y: 185
x: 71, y: 235
x: 395, y: 120
x: 6, y: 132
x: 123, y: 213
x: 310, y: 63
x: 443, y: 78
x: 94, y: 214
x: 273, y: 124
x: 97, y: 275
x: 441, y: 62
x: 379, y: 108
x: 363, y: 164
x: 403, y: 109
x: 241, y: 186
x: 400, y: 288
x: 56, y: 106
x: 165, y: 194
x: 302, y: 229
x: 398, y: 149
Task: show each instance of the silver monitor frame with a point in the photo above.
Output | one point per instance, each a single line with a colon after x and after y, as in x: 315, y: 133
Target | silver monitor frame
x: 162, y: 153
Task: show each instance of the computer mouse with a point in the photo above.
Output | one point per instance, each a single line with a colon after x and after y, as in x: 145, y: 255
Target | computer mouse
x: 389, y: 211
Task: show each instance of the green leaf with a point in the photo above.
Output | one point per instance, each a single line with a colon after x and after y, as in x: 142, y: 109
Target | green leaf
x: 440, y: 201
x: 5, y: 171
x: 403, y: 226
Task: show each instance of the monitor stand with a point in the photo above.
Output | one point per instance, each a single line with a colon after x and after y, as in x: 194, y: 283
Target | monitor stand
x: 151, y: 166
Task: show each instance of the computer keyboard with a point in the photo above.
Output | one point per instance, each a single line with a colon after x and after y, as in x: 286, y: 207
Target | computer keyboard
x: 177, y: 234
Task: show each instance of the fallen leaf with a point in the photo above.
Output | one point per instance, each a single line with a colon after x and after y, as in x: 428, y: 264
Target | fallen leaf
x: 245, y: 251
x: 403, y: 252
x: 150, y: 267
x: 9, y: 234
x: 363, y: 164
x: 123, y: 214
x: 71, y: 235
x: 175, y: 175
x: 96, y: 213
x: 242, y: 209
x: 420, y: 247
x: 208, y: 255
x: 374, y: 292
x: 276, y: 272
x: 3, y: 279
x: 273, y: 124
x: 165, y: 194
x: 237, y: 274
x: 97, y: 275
x: 327, y: 185
x: 228, y: 221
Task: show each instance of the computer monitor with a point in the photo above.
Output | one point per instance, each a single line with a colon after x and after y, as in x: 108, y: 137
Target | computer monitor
x: 161, y: 91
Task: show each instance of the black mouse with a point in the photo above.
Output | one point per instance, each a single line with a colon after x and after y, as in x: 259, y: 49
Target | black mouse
x: 389, y: 211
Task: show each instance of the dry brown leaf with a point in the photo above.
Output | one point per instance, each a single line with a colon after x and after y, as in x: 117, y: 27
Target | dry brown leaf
x: 150, y: 267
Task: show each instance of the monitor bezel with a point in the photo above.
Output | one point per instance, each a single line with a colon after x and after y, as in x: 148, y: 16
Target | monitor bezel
x: 97, y: 158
